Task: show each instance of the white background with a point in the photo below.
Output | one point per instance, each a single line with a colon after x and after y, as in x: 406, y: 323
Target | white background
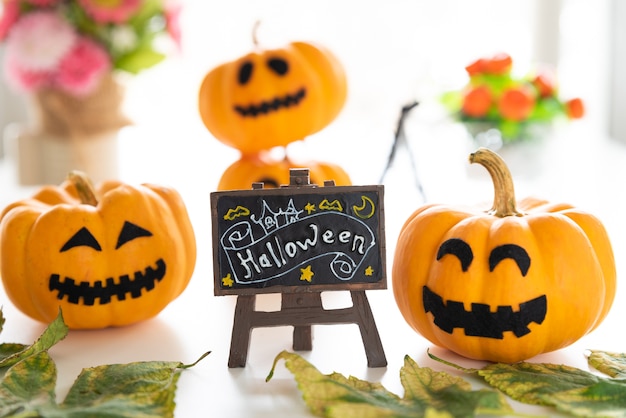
x: 394, y: 52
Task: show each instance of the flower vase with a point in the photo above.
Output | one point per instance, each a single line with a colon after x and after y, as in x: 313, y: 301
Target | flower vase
x: 525, y: 153
x: 72, y: 133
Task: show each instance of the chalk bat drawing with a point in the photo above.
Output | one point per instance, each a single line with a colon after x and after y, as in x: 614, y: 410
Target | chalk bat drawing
x: 233, y: 214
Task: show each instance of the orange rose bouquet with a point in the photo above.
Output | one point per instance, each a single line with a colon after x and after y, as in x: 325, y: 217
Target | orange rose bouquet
x: 494, y: 97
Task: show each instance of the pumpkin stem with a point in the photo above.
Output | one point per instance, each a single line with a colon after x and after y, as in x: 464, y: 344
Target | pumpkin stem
x: 255, y: 29
x: 85, y: 189
x: 504, y: 194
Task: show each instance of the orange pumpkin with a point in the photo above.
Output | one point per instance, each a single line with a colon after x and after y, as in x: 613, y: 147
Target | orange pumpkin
x: 504, y: 285
x: 255, y: 168
x: 271, y: 98
x: 109, y: 263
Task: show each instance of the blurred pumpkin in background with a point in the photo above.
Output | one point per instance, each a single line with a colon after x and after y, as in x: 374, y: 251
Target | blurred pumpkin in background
x: 273, y: 173
x: 273, y: 97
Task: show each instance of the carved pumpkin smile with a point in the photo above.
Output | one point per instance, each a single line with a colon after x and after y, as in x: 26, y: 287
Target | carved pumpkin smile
x: 103, y: 291
x: 89, y: 292
x: 268, y: 106
x: 480, y: 321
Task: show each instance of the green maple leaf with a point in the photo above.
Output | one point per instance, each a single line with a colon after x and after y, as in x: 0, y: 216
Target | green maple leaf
x: 7, y: 350
x: 142, y: 389
x: 28, y: 387
x: 322, y: 392
x: 427, y: 393
x: 138, y: 390
x: 606, y: 398
x: 611, y: 364
x: 568, y: 389
x: 535, y: 383
x: 444, y: 392
x: 11, y: 354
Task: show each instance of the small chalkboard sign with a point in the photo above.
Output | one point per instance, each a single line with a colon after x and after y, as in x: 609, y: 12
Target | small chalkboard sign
x: 325, y: 238
x: 299, y: 240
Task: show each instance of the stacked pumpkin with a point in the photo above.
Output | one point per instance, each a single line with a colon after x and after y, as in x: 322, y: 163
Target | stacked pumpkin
x: 272, y: 98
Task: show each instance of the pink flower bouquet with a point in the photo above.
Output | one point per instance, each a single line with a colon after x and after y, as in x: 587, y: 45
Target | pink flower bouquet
x: 72, y: 44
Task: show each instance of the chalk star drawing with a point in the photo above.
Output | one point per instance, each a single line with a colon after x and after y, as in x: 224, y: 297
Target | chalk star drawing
x: 227, y: 281
x: 369, y: 271
x: 307, y: 274
x: 310, y: 207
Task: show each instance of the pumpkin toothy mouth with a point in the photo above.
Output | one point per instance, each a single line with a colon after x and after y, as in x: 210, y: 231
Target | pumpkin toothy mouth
x: 268, y: 106
x: 480, y: 321
x: 103, y: 292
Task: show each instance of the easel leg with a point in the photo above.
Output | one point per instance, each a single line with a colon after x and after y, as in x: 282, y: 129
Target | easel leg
x: 302, y: 334
x: 242, y: 328
x: 369, y: 333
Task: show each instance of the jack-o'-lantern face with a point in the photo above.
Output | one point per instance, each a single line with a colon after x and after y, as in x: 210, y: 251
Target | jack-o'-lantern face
x: 100, y: 291
x: 116, y: 263
x: 276, y: 69
x: 273, y: 97
x: 483, y: 319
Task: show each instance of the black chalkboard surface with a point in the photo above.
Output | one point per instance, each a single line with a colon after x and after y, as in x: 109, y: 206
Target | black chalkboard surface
x: 298, y: 239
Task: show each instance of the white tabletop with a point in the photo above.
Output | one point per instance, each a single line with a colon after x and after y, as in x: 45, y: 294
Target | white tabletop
x: 585, y: 170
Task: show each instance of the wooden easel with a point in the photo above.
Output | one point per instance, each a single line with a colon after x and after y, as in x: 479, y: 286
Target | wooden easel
x: 302, y: 309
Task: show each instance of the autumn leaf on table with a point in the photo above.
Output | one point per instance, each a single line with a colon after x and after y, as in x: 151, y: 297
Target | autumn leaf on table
x: 606, y: 398
x: 535, y: 383
x: 611, y: 364
x: 144, y: 389
x: 7, y: 350
x: 427, y: 393
x: 568, y: 389
x: 141, y: 389
x: 11, y: 353
x: 27, y: 389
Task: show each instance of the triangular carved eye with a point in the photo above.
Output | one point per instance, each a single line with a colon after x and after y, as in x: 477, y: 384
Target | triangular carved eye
x: 129, y: 232
x: 82, y: 238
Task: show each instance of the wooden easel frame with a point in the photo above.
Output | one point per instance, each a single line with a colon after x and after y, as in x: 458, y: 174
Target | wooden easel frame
x: 302, y: 308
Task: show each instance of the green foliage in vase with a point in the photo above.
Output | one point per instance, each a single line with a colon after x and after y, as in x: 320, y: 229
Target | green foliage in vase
x: 494, y: 97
